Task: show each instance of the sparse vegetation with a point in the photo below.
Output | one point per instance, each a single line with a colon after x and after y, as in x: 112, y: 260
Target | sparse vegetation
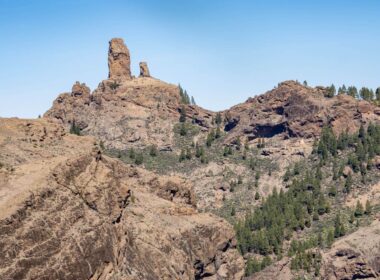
x: 74, y: 129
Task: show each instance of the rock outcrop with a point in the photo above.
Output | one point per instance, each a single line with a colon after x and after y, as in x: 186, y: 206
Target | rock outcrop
x: 69, y: 212
x: 125, y: 111
x: 356, y: 256
x: 144, y: 70
x: 119, y: 60
x: 294, y: 110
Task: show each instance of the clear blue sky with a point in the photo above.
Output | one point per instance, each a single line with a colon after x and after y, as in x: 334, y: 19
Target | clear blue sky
x: 222, y: 52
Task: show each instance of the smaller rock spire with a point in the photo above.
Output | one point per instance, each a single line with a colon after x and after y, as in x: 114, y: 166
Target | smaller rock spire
x: 144, y: 70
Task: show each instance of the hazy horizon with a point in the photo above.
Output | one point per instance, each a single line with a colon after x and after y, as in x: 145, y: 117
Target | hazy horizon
x: 221, y: 52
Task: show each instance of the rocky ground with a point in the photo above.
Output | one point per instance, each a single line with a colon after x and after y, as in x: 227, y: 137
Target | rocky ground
x: 69, y: 212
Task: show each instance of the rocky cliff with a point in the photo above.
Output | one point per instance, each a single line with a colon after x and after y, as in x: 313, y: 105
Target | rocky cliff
x: 295, y: 110
x: 69, y: 212
x: 125, y: 111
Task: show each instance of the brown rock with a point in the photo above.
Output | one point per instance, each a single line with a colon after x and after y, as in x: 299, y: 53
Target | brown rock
x: 134, y: 108
x: 76, y: 216
x: 347, y: 171
x: 376, y: 161
x: 144, y: 70
x: 79, y: 89
x: 119, y: 61
x: 293, y: 110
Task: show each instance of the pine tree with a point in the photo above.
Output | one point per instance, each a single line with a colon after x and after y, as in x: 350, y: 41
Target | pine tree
x: 348, y: 184
x: 359, y: 210
x: 139, y: 158
x: 331, y: 91
x: 183, y: 129
x: 210, y: 138
x: 182, y: 155
x: 218, y: 119
x: 352, y: 91
x: 74, y: 129
x: 204, y: 158
x: 342, y: 90
x: 233, y: 211
x: 366, y: 93
x: 193, y: 100
x: 225, y: 151
x: 368, y: 208
x: 132, y: 153
x: 352, y: 217
x: 330, y: 238
x: 332, y: 190
x: 188, y: 153
x: 287, y: 175
x: 153, y: 150
x: 182, y: 117
x: 257, y: 196
x: 337, y: 226
x: 218, y: 133
x: 320, y: 240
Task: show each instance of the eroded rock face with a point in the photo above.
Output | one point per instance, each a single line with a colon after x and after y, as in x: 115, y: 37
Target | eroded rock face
x: 119, y: 61
x: 83, y: 215
x: 79, y: 89
x: 356, y: 256
x: 293, y: 110
x: 124, y: 111
x: 144, y: 70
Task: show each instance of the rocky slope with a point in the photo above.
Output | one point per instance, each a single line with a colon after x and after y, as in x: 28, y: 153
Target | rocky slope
x: 355, y: 256
x: 69, y: 212
x: 295, y: 110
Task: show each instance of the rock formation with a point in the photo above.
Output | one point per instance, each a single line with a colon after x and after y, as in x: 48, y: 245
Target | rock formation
x: 140, y: 111
x: 119, y: 61
x: 79, y: 89
x: 293, y: 110
x: 144, y: 70
x: 76, y: 215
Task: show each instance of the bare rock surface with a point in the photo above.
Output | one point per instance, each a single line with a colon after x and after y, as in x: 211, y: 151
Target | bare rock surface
x: 355, y: 256
x: 125, y: 111
x: 144, y: 70
x: 119, y: 60
x: 69, y: 212
x: 293, y: 110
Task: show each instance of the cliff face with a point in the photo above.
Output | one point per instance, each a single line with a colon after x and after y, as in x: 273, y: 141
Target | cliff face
x: 68, y: 212
x: 293, y: 110
x: 355, y: 256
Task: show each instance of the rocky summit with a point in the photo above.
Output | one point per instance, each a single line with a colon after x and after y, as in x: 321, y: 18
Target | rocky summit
x: 132, y: 180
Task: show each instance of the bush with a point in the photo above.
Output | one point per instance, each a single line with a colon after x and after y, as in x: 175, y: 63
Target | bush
x: 139, y: 158
x: 74, y: 129
x: 153, y: 151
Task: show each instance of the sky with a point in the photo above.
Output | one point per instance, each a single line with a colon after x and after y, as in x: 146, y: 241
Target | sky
x: 220, y: 51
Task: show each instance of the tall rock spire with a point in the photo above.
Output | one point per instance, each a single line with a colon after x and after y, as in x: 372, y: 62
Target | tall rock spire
x: 119, y: 60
